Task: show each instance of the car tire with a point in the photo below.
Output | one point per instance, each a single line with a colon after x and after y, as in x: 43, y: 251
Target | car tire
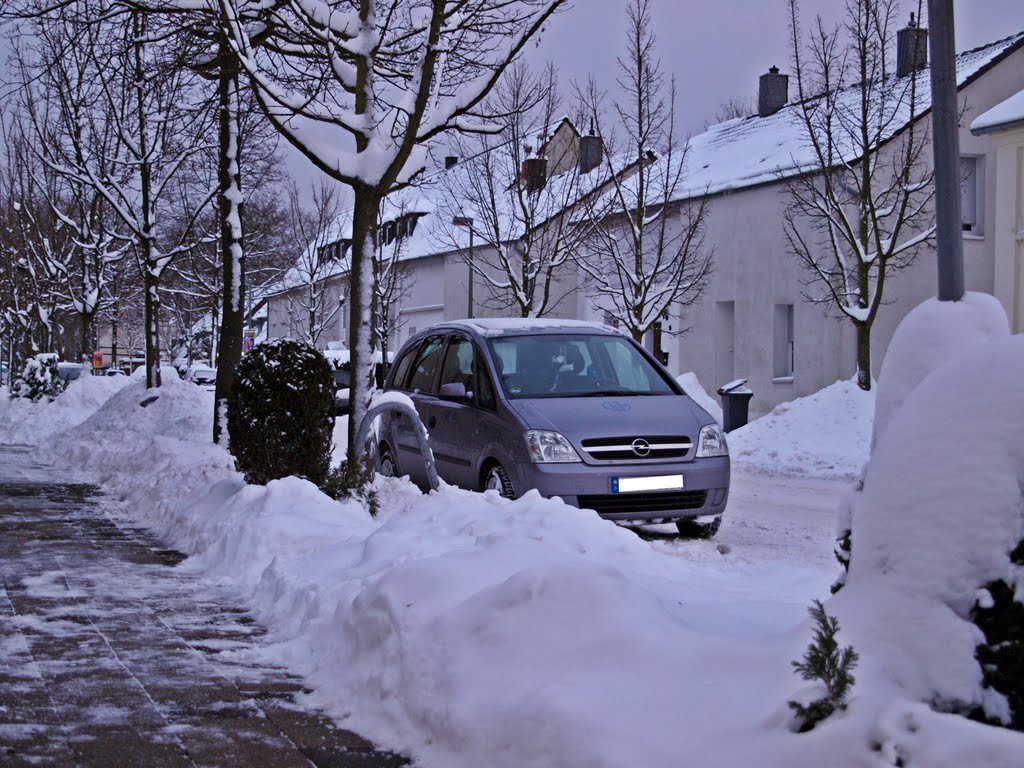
x: 386, y: 464
x: 497, y: 479
x: 691, y: 529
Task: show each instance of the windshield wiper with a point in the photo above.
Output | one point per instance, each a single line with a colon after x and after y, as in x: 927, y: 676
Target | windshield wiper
x: 609, y: 393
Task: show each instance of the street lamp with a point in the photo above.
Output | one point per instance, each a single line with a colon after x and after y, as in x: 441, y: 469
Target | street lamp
x: 467, y: 221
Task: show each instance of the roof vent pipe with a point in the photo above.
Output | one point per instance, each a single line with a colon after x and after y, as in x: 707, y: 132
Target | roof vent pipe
x: 773, y: 92
x: 911, y: 48
x: 450, y: 161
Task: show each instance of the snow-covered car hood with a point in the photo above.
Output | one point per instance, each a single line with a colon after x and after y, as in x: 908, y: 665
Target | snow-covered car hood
x: 579, y: 418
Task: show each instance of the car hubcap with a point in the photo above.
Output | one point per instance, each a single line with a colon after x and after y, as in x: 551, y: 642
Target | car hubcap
x: 494, y: 482
x: 387, y: 465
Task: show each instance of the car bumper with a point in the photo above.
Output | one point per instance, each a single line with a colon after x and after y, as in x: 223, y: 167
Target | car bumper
x: 705, y: 488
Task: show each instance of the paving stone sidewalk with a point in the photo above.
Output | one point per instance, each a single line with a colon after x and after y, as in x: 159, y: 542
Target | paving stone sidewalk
x: 113, y: 657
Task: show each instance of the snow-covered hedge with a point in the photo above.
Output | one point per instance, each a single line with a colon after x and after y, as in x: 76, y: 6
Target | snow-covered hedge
x: 281, y: 413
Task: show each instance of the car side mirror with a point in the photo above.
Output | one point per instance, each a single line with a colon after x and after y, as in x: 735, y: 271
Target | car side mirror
x: 456, y: 391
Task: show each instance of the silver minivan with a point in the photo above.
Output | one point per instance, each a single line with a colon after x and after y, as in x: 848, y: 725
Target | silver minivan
x: 571, y: 409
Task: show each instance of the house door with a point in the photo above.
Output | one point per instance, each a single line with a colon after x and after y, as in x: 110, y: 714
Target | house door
x: 725, y: 342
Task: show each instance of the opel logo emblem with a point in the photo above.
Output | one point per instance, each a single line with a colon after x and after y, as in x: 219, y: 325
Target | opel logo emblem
x: 641, y: 447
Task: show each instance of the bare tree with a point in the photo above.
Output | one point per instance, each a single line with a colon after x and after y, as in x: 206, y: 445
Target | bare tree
x: 862, y: 210
x: 524, y: 230
x: 731, y: 109
x: 390, y: 274
x: 313, y: 304
x: 98, y: 65
x: 39, y: 248
x: 384, y: 77
x: 644, y: 253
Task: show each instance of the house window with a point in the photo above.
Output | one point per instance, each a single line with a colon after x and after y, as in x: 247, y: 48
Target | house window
x: 783, y: 344
x: 970, y: 195
x: 1020, y: 191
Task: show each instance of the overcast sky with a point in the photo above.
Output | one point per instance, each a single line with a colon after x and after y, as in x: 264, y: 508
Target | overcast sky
x: 718, y: 48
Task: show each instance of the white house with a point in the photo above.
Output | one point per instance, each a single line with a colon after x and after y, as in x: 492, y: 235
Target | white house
x: 752, y: 321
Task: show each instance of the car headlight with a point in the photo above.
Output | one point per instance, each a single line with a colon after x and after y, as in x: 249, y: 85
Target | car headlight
x: 549, y: 447
x: 711, y: 442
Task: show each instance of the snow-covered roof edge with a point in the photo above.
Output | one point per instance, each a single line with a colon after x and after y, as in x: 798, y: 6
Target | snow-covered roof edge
x: 1003, y: 48
x: 1004, y: 116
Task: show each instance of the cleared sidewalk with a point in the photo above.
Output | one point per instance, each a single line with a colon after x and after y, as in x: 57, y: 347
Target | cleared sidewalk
x: 114, y: 657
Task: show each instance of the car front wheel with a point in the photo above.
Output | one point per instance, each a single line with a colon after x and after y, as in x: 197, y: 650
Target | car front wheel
x: 386, y: 463
x: 691, y: 529
x: 497, y: 479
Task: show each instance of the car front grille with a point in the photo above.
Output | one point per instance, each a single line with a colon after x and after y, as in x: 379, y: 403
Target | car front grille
x: 622, y: 448
x: 643, y: 502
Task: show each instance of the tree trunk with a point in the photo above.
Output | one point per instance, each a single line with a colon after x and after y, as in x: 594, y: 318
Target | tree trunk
x: 863, y: 356
x: 360, y: 332
x: 229, y: 346
x: 152, y: 320
x: 113, y: 337
x: 86, y: 335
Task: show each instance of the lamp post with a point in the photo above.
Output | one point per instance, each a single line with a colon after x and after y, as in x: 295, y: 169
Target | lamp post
x: 467, y: 221
x: 946, y: 146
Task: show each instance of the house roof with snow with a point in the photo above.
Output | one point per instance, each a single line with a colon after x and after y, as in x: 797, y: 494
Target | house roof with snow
x: 750, y: 151
x: 421, y: 214
x: 1004, y: 116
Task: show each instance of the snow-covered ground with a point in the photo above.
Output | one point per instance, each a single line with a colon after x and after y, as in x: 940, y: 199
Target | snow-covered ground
x: 469, y: 630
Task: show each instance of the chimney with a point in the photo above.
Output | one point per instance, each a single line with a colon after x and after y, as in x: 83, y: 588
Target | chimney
x: 450, y: 162
x: 773, y: 92
x: 911, y: 48
x: 591, y: 151
x: 535, y: 170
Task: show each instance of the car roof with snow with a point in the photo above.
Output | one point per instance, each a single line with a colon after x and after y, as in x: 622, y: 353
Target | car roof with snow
x: 516, y: 326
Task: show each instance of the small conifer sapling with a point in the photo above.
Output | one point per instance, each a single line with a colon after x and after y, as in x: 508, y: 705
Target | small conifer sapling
x: 825, y: 661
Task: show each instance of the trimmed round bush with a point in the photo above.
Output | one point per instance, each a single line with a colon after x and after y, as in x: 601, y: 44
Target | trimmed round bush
x: 281, y: 413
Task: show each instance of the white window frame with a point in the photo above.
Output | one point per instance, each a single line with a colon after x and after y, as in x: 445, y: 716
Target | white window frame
x: 784, y: 358
x: 972, y: 195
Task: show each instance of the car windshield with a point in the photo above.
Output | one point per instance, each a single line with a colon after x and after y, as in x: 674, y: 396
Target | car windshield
x: 575, y: 365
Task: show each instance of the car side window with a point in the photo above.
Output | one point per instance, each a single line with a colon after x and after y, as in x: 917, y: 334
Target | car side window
x: 424, y: 370
x: 402, y: 367
x: 458, y: 363
x: 484, y: 386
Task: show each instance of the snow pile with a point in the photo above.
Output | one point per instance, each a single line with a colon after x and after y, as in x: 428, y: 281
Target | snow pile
x: 691, y: 386
x: 470, y: 630
x: 826, y: 434
x: 27, y: 422
x: 930, y: 335
x: 942, y: 506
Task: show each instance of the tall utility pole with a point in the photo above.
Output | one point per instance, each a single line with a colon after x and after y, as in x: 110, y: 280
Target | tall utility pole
x: 946, y: 146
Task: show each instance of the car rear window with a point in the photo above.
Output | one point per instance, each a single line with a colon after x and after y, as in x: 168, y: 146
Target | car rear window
x: 425, y: 369
x: 402, y: 367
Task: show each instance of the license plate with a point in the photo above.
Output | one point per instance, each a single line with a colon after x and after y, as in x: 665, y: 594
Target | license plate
x: 658, y: 483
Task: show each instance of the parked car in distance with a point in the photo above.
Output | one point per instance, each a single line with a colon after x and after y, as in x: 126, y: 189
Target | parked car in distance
x: 203, y: 377
x: 68, y: 372
x: 339, y: 360
x: 114, y: 372
x: 571, y: 409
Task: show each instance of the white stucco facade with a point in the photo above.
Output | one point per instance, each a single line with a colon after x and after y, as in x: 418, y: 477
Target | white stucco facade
x: 754, y: 305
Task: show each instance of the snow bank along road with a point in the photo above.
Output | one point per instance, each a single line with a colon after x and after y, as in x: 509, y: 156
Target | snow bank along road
x: 111, y: 657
